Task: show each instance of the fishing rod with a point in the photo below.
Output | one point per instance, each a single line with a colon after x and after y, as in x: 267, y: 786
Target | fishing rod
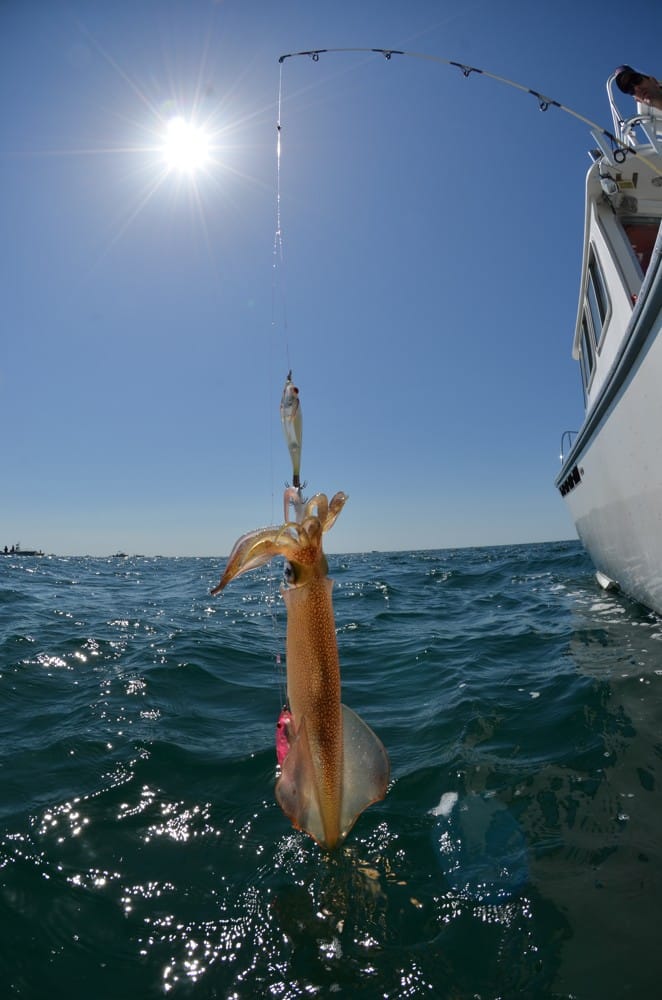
x: 290, y: 403
x: 619, y: 148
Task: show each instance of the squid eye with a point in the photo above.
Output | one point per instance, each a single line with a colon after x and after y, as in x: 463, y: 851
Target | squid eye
x: 289, y: 574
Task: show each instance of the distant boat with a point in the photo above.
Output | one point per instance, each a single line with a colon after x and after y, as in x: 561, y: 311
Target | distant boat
x: 121, y: 555
x: 611, y: 475
x: 16, y: 550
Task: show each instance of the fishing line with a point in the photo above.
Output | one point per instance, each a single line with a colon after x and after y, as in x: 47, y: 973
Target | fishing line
x: 278, y: 323
x: 544, y: 102
x: 278, y: 258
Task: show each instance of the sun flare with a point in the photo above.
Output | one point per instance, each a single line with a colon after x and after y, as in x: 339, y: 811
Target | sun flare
x: 186, y: 147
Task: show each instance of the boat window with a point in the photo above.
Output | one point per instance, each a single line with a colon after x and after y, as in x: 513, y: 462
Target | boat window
x: 588, y: 353
x: 596, y: 295
x: 642, y: 233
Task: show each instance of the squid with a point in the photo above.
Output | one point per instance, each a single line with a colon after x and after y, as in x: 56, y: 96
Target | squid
x: 332, y: 765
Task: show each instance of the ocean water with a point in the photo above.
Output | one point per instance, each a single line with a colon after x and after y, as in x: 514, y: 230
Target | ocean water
x: 518, y: 852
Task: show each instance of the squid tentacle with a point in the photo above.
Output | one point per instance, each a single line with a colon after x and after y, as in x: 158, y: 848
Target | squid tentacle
x: 299, y: 542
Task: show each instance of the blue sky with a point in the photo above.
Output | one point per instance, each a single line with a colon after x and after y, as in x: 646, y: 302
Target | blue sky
x: 425, y: 300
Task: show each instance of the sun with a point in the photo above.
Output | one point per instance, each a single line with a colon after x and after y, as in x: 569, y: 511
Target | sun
x: 186, y: 147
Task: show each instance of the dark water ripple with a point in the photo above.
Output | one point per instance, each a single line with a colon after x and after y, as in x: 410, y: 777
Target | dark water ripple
x: 517, y: 853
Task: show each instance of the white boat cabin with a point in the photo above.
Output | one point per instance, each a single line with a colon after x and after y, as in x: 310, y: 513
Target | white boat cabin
x: 623, y: 212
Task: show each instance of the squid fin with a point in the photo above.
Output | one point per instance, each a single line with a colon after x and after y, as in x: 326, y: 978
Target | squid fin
x: 295, y: 789
x: 366, y: 771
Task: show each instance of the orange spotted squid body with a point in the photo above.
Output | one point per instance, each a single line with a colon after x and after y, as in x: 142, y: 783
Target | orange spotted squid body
x: 333, y: 766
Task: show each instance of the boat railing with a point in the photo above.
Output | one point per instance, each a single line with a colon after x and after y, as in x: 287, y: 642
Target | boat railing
x: 567, y: 439
x: 647, y: 119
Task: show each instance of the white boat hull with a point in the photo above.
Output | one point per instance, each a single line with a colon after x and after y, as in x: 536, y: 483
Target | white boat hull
x: 615, y: 494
